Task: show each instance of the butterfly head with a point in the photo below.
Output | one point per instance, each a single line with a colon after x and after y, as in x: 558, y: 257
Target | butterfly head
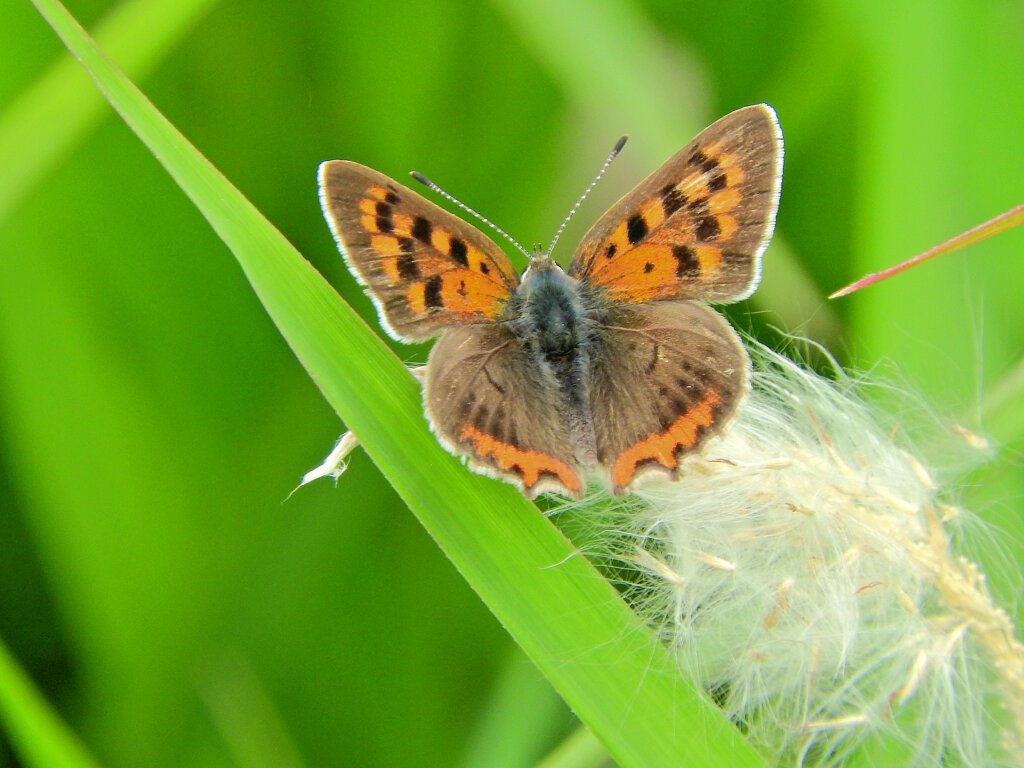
x: 540, y: 264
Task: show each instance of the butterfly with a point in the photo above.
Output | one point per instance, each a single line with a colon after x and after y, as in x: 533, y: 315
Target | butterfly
x: 615, y: 365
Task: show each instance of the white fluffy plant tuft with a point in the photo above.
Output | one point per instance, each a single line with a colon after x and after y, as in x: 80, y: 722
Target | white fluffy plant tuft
x: 803, y: 571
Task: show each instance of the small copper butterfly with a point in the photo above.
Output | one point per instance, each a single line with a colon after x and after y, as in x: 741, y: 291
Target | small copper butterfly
x: 615, y: 364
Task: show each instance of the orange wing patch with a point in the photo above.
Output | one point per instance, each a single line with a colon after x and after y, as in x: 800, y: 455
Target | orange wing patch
x: 467, y: 293
x: 420, y: 255
x: 529, y: 465
x: 663, y: 447
x: 643, y: 273
x: 728, y: 162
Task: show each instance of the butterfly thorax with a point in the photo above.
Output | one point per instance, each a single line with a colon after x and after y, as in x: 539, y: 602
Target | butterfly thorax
x: 549, y: 311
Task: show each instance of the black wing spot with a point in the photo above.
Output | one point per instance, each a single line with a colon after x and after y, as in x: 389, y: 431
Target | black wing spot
x: 391, y: 198
x: 384, y: 220
x: 422, y: 229
x: 706, y: 164
x: 407, y: 245
x: 636, y: 228
x: 407, y: 268
x: 687, y: 263
x: 698, y: 206
x: 672, y: 199
x: 432, y: 293
x: 648, y: 268
x: 708, y: 229
x: 611, y: 251
x: 484, y: 268
x: 458, y: 251
x: 717, y: 182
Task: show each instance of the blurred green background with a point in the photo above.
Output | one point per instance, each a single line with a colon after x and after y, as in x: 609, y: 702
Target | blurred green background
x: 156, y: 580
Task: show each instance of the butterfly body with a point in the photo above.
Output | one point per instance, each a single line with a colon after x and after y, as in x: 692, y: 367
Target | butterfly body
x: 554, y: 323
x: 615, y: 365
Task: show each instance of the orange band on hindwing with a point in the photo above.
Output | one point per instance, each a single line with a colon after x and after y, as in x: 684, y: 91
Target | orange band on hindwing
x: 531, y: 464
x: 663, y: 447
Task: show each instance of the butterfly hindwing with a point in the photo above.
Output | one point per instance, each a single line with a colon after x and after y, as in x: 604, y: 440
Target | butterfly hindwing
x: 486, y: 400
x: 696, y: 227
x: 424, y: 268
x: 665, y: 377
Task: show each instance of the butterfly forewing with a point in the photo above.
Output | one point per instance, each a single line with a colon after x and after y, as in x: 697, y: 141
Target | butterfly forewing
x: 696, y: 227
x: 665, y: 377
x: 425, y: 268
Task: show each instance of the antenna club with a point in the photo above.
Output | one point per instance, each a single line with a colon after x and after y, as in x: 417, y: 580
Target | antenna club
x: 620, y: 144
x: 423, y: 179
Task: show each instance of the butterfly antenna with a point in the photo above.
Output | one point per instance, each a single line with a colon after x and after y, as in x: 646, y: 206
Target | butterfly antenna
x: 434, y: 188
x: 618, y: 148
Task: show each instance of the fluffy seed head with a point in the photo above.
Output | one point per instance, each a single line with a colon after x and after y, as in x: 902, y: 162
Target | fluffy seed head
x: 802, y: 570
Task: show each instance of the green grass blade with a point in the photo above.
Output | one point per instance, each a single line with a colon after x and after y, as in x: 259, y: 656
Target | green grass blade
x: 1002, y: 407
x: 580, y: 750
x: 37, y: 734
x: 521, y: 718
x: 568, y: 620
x: 50, y: 117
